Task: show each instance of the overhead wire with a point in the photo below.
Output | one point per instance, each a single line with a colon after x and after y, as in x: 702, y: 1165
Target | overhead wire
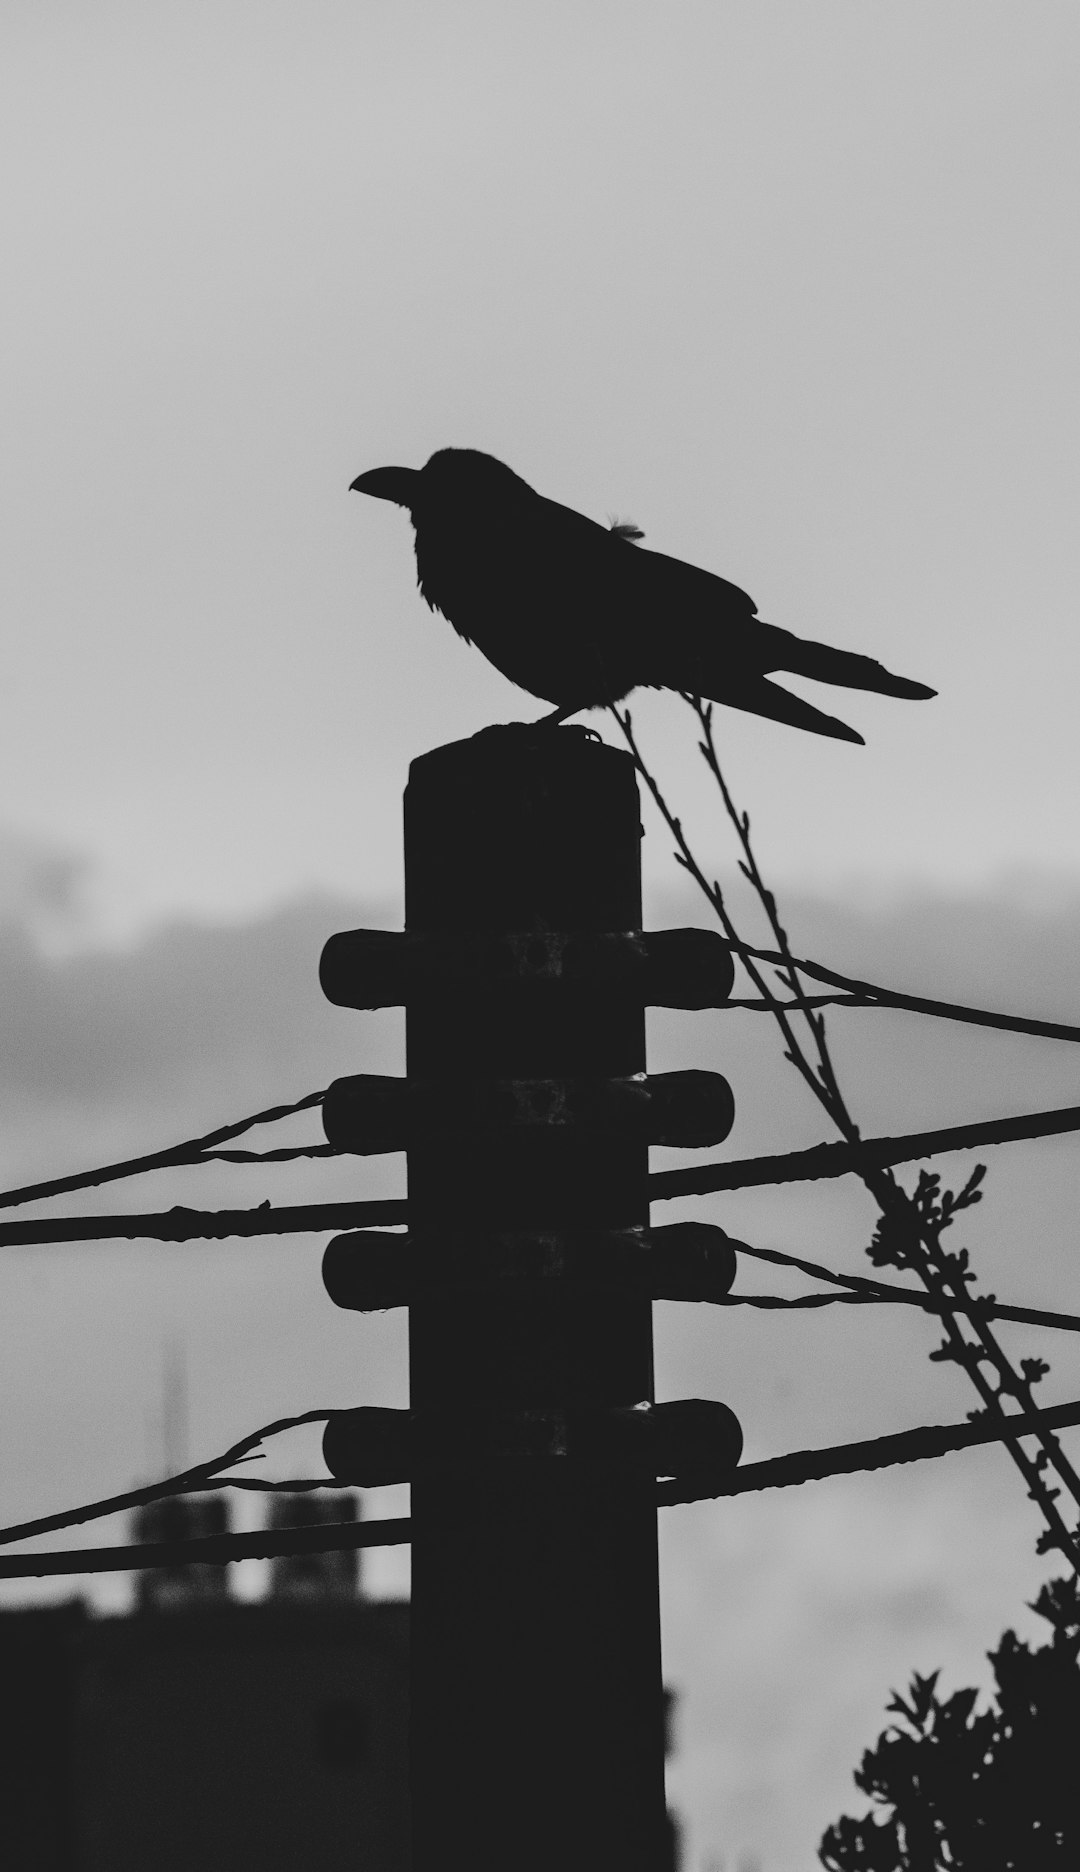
x: 819, y: 1161
x: 927, y: 1442
x: 193, y: 1150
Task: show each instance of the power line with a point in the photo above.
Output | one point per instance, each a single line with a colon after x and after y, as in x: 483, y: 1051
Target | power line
x: 925, y: 1443
x: 858, y: 993
x: 833, y: 1160
x: 870, y: 1290
x: 885, y: 1452
x: 200, y: 1476
x: 180, y: 1224
x: 821, y: 1160
x: 1029, y: 1316
x: 195, y: 1150
x: 870, y: 994
x: 287, y: 1153
x: 208, y: 1550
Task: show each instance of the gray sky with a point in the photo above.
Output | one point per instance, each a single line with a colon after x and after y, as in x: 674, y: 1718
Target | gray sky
x: 795, y: 289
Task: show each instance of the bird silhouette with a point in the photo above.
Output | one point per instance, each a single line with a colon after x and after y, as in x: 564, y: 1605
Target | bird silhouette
x: 579, y: 614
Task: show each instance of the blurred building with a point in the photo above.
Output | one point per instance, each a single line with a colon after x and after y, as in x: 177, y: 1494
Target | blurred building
x: 203, y: 1733
x: 181, y: 1517
x: 318, y: 1577
x: 673, y: 1837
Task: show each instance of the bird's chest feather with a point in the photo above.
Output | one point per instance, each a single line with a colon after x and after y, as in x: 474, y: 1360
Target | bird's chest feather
x: 502, y: 593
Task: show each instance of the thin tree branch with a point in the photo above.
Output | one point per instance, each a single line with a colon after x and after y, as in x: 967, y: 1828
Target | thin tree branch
x: 940, y: 1273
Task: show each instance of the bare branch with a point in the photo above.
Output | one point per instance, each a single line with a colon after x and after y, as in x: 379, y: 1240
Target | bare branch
x: 914, y: 1225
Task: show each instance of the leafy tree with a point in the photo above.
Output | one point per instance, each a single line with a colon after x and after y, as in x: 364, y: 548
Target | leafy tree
x: 956, y: 1790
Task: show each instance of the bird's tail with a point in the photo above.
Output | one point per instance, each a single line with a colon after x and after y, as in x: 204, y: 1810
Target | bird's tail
x: 847, y: 668
x: 759, y: 697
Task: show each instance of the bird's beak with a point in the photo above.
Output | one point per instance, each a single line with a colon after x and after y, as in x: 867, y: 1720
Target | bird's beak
x: 392, y: 484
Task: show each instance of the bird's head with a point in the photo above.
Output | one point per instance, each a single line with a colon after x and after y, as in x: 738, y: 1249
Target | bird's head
x: 452, y: 481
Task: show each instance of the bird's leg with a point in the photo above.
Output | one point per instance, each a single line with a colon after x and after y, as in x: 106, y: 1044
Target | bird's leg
x: 558, y: 716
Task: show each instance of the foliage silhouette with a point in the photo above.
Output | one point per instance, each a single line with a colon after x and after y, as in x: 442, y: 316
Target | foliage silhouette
x: 972, y: 1791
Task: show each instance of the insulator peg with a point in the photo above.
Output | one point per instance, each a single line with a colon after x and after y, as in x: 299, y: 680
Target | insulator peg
x: 687, y: 968
x: 369, y: 1113
x: 679, y: 968
x: 371, y: 1270
x: 371, y: 1447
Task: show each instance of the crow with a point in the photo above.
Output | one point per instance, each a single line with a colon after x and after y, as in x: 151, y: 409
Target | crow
x: 579, y: 614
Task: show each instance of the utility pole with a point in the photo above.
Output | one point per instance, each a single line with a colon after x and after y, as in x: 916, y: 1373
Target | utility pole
x: 537, y: 1717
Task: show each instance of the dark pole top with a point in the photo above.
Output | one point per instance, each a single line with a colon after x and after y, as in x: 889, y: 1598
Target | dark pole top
x: 517, y: 833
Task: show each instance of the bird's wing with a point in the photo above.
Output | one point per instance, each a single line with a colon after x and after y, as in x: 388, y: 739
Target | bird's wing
x: 692, y: 593
x: 655, y: 620
x: 589, y: 571
x: 684, y: 628
x: 702, y: 624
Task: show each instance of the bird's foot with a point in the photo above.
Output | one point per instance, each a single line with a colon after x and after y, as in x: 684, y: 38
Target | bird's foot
x: 558, y: 719
x: 560, y: 715
x: 540, y: 730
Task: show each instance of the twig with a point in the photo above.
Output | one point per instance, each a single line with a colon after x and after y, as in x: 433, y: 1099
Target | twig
x: 921, y: 1225
x: 916, y: 1240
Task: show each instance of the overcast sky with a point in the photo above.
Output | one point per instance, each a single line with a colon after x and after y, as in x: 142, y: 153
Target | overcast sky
x: 793, y: 287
